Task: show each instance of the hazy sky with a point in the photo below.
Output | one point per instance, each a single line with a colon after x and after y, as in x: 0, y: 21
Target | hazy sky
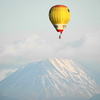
x: 26, y: 34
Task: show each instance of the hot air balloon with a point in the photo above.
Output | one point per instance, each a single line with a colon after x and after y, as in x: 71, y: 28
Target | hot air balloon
x: 59, y: 16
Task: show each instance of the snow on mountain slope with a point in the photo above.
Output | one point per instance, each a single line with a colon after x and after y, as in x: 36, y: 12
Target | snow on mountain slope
x: 52, y: 79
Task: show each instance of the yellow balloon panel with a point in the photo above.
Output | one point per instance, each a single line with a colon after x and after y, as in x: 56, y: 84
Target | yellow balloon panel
x: 59, y: 14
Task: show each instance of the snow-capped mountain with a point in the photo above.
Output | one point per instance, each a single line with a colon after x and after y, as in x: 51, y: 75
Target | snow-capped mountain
x: 51, y: 79
x: 96, y: 97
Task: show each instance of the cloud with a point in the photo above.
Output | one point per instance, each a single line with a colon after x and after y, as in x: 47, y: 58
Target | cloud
x: 35, y: 48
x: 85, y: 48
x: 4, y: 73
x: 90, y: 50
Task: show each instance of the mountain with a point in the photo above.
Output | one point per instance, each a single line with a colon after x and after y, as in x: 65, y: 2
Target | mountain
x: 96, y: 97
x: 6, y: 98
x: 51, y: 79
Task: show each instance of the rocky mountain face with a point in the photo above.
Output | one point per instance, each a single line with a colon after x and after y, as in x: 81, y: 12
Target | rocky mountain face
x: 51, y: 79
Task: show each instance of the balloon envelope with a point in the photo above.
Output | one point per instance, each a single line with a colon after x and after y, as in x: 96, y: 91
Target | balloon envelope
x: 59, y: 16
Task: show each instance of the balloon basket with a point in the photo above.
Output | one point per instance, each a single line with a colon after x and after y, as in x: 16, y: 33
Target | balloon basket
x: 59, y: 36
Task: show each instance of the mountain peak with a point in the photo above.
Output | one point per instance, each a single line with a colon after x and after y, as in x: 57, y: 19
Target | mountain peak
x: 50, y: 79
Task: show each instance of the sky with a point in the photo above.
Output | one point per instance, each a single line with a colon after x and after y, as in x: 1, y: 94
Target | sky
x: 26, y: 33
